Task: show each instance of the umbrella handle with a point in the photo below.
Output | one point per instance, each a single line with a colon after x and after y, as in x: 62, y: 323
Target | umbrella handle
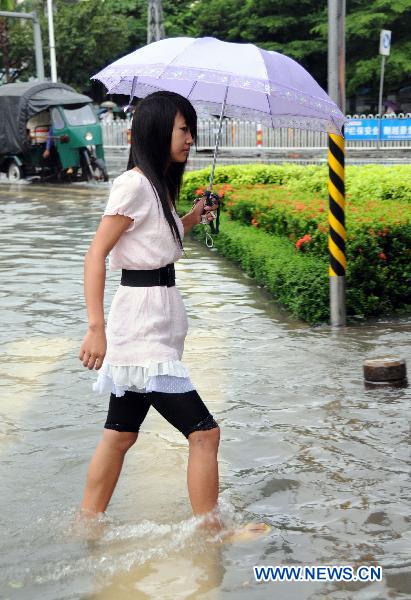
x: 217, y: 142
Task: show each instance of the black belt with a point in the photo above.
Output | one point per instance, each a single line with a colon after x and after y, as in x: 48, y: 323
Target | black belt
x: 145, y: 278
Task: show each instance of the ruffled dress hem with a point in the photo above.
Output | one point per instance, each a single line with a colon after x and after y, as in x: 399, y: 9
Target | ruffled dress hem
x: 137, y: 378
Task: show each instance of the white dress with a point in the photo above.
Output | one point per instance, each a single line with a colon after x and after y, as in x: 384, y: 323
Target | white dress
x: 146, y: 326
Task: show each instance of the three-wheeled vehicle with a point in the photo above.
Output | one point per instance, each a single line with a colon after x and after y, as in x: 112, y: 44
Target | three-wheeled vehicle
x: 50, y: 131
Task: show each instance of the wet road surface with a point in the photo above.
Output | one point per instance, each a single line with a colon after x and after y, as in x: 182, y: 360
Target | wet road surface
x: 305, y: 447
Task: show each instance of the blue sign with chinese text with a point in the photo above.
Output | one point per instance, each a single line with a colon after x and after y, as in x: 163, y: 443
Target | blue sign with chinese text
x: 369, y: 129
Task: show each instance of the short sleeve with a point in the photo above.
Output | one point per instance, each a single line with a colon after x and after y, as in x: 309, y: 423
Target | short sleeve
x: 128, y: 197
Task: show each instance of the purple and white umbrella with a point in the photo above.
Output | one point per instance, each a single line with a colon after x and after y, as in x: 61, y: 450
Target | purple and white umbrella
x: 235, y: 80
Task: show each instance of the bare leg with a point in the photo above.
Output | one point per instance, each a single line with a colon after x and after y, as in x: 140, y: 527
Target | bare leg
x: 202, y: 473
x: 202, y: 479
x: 105, y: 468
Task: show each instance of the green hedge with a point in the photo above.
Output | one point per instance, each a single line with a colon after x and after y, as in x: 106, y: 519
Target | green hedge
x: 368, y: 182
x: 280, y: 235
x: 378, y: 241
x: 298, y: 282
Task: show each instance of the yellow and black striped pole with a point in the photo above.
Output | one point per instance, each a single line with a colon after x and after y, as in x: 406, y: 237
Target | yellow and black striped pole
x: 337, y: 234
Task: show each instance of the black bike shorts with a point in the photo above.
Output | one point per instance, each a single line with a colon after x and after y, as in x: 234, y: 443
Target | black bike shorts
x: 185, y: 411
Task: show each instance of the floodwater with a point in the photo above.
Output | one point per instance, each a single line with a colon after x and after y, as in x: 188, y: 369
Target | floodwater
x: 305, y: 446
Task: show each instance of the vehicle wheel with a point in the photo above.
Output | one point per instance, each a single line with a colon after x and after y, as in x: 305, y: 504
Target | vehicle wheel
x: 14, y: 172
x: 100, y: 170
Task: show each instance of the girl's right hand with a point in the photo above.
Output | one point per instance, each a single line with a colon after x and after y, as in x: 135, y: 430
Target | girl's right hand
x: 93, y: 349
x: 199, y: 209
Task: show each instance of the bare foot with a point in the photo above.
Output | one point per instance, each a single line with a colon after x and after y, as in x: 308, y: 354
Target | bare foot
x: 210, y: 523
x: 244, y: 533
x: 89, y: 525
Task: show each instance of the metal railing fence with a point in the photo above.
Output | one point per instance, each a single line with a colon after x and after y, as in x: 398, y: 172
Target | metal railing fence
x: 243, y: 135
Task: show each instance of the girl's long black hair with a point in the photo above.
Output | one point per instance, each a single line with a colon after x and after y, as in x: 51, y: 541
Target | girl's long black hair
x: 151, y: 132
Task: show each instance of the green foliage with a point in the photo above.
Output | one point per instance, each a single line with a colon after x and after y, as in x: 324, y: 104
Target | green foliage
x: 363, y: 25
x: 369, y: 182
x: 5, y: 70
x: 377, y: 249
x: 93, y: 28
x: 298, y: 282
x: 21, y: 49
x: 373, y: 182
x: 289, y: 203
x: 91, y: 33
x: 284, y: 27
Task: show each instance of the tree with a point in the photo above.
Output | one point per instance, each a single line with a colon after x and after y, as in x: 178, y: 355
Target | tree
x: 363, y: 25
x: 88, y: 38
x: 364, y: 22
x: 285, y: 27
x: 92, y: 33
x: 8, y: 5
x: 299, y: 28
x: 88, y: 34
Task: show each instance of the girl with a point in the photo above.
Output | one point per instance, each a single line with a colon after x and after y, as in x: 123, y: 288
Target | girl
x: 139, y: 362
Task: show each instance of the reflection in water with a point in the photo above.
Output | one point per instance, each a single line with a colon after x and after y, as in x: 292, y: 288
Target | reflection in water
x: 305, y: 446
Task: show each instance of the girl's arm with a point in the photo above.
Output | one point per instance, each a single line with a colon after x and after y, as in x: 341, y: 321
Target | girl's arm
x: 107, y: 235
x: 188, y: 221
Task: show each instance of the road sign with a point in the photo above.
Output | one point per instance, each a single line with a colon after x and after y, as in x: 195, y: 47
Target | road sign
x: 385, y: 42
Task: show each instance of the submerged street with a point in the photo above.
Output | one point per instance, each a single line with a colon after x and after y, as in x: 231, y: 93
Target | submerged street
x: 305, y: 446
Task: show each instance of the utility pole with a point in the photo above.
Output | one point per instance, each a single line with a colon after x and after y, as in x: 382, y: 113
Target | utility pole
x: 336, y: 164
x: 38, y: 49
x: 336, y: 52
x: 53, y: 65
x: 155, y: 26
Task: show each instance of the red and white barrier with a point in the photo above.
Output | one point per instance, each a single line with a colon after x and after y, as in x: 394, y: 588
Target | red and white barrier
x: 259, y: 136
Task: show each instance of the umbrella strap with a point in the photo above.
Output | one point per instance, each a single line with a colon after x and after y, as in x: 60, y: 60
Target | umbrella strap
x: 213, y: 228
x: 208, y: 238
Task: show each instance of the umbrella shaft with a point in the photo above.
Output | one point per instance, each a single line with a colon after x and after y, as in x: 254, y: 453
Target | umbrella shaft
x: 210, y: 187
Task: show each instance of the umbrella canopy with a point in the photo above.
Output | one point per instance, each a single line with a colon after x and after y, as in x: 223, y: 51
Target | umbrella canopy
x: 258, y: 85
